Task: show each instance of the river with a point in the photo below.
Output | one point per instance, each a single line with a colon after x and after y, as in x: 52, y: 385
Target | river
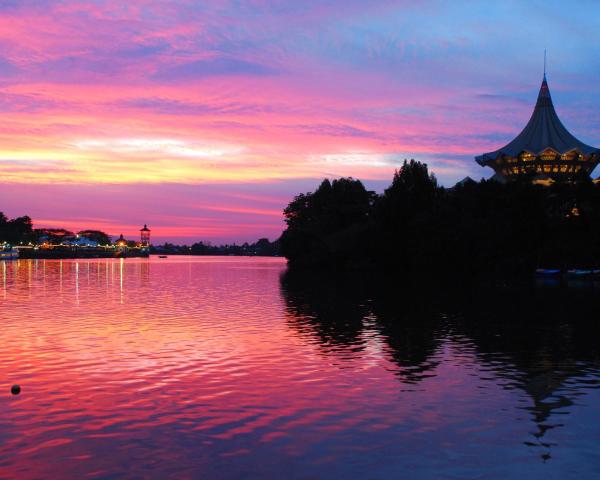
x: 225, y: 367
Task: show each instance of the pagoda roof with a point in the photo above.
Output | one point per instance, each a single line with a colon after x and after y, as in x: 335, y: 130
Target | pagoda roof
x: 544, y: 130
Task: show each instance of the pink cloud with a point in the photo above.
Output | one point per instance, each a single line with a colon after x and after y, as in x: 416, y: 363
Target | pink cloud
x: 247, y: 100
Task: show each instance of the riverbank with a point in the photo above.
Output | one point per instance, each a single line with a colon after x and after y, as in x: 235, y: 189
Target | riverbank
x: 67, y: 252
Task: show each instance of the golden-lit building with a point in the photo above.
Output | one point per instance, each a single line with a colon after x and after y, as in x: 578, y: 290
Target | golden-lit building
x: 544, y: 151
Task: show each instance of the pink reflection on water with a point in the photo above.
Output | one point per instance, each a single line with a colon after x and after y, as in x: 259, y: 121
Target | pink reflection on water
x: 189, y: 367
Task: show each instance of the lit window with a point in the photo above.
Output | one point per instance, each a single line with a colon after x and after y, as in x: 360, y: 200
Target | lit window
x: 527, y: 157
x: 548, y: 155
x: 569, y: 156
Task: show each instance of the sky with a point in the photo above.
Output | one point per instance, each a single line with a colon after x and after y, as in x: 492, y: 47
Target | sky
x: 204, y: 119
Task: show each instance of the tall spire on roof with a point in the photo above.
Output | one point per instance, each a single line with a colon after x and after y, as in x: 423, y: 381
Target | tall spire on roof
x: 544, y: 64
x: 544, y: 99
x: 543, y: 134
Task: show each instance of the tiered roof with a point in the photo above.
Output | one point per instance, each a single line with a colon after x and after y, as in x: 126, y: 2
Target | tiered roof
x: 544, y: 130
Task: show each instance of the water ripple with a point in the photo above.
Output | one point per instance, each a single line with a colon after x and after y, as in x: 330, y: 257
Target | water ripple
x: 222, y: 368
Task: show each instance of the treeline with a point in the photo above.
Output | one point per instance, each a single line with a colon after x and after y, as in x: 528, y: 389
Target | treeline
x: 263, y: 248
x: 16, y: 230
x: 417, y: 226
x: 58, y: 235
x: 20, y: 231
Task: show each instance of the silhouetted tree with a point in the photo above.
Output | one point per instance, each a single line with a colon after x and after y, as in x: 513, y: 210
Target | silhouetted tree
x: 17, y: 230
x: 97, y: 236
x: 262, y: 247
x: 3, y: 227
x: 474, y: 228
x: 405, y: 218
x: 328, y: 225
x: 52, y: 235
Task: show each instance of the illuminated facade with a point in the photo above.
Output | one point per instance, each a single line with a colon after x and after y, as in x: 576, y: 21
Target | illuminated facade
x: 544, y: 149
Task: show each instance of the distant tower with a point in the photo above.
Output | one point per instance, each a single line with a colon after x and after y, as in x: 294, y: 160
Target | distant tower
x: 145, y: 236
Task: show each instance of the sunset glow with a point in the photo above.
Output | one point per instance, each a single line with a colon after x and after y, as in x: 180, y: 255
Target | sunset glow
x: 203, y: 119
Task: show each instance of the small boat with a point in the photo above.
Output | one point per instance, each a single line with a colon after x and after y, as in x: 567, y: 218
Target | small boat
x: 162, y: 256
x: 548, y: 271
x: 578, y: 273
x: 9, y: 254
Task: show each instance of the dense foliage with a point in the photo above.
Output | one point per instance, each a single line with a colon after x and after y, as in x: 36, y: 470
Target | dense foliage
x: 97, y: 236
x: 418, y: 226
x: 52, y: 235
x: 16, y: 230
x: 20, y: 230
x: 263, y: 248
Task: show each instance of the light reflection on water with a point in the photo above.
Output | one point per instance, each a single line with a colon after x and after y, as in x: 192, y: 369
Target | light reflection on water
x: 230, y: 368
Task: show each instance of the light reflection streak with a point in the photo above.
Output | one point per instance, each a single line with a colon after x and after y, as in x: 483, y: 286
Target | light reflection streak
x: 4, y: 279
x: 121, y: 260
x: 77, y: 283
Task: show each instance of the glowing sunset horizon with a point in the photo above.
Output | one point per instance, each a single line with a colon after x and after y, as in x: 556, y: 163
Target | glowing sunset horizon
x: 204, y: 121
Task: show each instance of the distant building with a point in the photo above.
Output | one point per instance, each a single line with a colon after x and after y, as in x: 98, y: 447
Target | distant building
x: 79, y: 242
x: 545, y: 150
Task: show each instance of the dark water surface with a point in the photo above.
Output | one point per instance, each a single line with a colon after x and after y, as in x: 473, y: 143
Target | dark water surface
x: 233, y: 368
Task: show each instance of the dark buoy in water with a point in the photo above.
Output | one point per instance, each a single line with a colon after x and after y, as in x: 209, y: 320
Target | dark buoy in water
x: 15, y: 389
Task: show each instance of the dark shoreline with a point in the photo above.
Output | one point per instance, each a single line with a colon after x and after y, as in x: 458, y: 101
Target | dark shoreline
x: 64, y: 254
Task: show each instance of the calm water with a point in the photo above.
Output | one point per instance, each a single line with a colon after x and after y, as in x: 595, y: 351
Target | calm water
x: 231, y: 368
